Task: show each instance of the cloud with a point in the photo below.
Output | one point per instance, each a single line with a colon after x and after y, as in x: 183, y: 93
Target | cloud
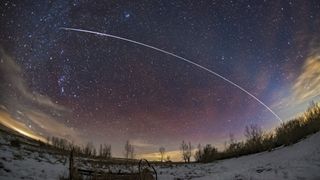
x: 11, y: 73
x: 307, y: 84
x: 295, y: 97
x: 51, y: 126
x: 29, y: 112
x: 7, y: 120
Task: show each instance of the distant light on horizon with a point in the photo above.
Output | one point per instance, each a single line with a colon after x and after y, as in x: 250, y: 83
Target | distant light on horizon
x: 8, y: 121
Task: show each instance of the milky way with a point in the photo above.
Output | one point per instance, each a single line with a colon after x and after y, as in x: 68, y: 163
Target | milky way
x: 86, y: 88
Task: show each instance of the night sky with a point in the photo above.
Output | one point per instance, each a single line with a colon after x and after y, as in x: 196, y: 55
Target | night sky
x: 86, y: 87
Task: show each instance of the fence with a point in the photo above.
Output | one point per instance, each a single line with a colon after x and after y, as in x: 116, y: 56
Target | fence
x: 145, y: 172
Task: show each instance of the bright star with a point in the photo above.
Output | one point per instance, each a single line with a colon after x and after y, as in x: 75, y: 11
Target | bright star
x: 126, y: 14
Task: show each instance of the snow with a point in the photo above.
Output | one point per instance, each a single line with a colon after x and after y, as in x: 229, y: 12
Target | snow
x: 298, y: 161
x: 18, y: 164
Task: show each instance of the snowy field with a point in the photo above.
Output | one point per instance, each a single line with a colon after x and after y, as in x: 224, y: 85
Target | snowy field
x: 29, y: 161
x: 299, y: 161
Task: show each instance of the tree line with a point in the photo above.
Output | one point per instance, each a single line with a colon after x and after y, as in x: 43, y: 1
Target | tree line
x: 86, y: 150
x: 89, y: 149
x: 287, y: 133
x: 255, y: 141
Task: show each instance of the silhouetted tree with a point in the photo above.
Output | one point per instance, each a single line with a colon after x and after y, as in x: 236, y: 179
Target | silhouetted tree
x: 186, y: 151
x: 287, y: 133
x: 88, y: 149
x: 105, y: 151
x: 253, y: 132
x: 162, y: 152
x: 254, y: 136
x: 128, y: 150
x: 168, y: 158
x: 198, y: 154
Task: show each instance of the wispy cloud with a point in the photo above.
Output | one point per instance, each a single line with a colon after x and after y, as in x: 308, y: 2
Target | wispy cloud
x: 28, y: 111
x: 7, y: 120
x: 11, y: 73
x: 51, y: 126
x: 305, y: 88
x: 307, y: 84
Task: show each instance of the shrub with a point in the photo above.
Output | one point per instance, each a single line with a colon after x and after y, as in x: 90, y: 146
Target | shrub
x: 207, y: 154
x: 286, y: 134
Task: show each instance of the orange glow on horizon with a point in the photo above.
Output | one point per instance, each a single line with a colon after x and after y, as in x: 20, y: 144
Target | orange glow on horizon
x: 19, y: 127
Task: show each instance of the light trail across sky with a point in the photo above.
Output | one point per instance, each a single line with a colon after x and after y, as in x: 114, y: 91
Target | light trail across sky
x: 179, y: 57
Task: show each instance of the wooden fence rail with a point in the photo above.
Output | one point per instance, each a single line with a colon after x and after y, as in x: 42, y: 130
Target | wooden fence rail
x: 145, y: 172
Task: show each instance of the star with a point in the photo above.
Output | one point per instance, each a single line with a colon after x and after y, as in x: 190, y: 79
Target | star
x: 126, y: 15
x: 99, y: 85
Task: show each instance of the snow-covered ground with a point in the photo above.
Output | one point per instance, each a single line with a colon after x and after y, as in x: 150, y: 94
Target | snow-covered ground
x: 299, y: 161
x: 25, y: 162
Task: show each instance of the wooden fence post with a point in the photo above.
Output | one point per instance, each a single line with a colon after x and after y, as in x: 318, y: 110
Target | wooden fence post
x: 71, y: 165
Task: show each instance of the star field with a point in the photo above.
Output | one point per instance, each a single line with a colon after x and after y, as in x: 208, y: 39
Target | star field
x: 110, y: 91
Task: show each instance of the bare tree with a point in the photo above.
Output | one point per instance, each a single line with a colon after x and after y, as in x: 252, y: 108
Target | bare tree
x: 186, y: 151
x: 105, y: 151
x: 189, y: 152
x: 88, y: 149
x: 100, y: 150
x: 232, y: 146
x: 128, y: 150
x: 232, y: 140
x: 198, y: 154
x: 60, y: 143
x: 162, y: 151
x: 254, y: 137
x: 253, y: 133
x: 183, y: 149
